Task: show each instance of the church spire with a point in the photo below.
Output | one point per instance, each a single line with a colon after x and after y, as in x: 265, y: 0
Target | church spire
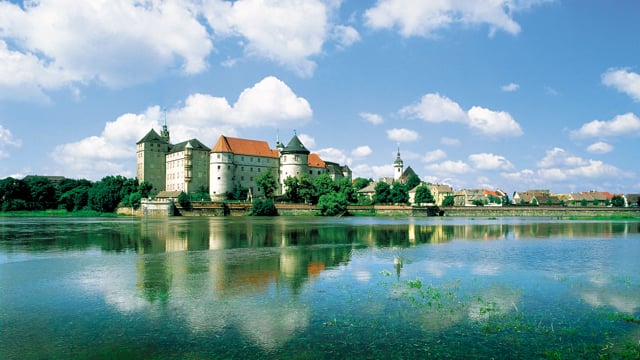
x: 398, y: 166
x: 165, y: 132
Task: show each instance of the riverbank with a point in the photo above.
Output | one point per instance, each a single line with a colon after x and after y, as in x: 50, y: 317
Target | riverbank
x: 244, y: 209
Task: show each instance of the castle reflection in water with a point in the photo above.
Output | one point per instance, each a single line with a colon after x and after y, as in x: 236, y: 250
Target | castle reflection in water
x: 250, y: 256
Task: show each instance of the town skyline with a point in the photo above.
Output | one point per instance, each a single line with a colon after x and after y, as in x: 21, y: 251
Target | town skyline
x: 513, y: 95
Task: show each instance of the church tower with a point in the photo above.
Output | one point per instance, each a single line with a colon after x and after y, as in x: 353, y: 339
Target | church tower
x: 398, y: 166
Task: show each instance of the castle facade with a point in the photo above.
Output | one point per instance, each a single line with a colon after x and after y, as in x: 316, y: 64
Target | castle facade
x: 190, y: 166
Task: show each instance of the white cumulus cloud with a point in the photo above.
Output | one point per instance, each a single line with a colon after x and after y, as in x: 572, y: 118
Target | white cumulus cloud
x: 487, y: 161
x: 495, y: 123
x: 437, y: 108
x: 624, y: 124
x: 425, y: 18
x: 448, y: 167
x: 372, y: 118
x: 270, y: 102
x: 116, y: 42
x: 402, y: 135
x: 434, y: 155
x: 511, y: 87
x: 7, y: 139
x: 624, y: 81
x: 287, y: 32
x: 333, y: 154
x: 361, y: 151
x: 345, y: 35
x: 600, y: 148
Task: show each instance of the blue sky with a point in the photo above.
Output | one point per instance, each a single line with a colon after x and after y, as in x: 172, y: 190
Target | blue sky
x: 509, y: 94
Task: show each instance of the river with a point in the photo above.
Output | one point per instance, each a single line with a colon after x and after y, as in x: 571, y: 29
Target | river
x: 313, y: 288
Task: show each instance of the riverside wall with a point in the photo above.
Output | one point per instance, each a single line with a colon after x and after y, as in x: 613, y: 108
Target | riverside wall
x: 164, y: 209
x: 542, y: 211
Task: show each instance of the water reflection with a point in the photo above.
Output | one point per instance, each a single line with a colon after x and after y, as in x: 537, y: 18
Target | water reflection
x: 271, y: 282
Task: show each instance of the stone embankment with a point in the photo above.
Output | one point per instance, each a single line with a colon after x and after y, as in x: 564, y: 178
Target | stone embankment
x: 243, y: 208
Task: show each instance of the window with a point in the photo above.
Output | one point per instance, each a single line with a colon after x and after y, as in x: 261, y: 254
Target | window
x: 218, y: 167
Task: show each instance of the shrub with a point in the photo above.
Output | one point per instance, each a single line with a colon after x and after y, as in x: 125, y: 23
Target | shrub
x: 263, y: 207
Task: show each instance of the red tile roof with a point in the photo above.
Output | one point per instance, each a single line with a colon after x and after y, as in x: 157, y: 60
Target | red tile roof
x: 314, y: 160
x: 244, y: 147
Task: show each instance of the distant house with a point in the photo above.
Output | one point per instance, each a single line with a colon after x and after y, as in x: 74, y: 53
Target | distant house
x: 440, y: 192
x: 632, y: 200
x: 469, y: 197
x: 589, y: 198
x: 368, y: 191
x: 532, y: 197
x: 55, y: 180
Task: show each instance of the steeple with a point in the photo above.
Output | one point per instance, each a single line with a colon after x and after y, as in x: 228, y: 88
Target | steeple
x: 398, y: 166
x: 165, y: 132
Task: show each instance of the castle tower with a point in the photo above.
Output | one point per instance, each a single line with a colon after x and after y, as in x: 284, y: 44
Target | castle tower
x: 222, y: 169
x: 294, y: 160
x: 398, y: 166
x: 150, y: 159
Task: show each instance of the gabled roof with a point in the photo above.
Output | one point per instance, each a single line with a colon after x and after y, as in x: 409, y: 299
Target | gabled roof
x: 371, y: 188
x: 441, y: 188
x: 152, y: 136
x: 193, y: 143
x: 314, y: 160
x: 408, y: 172
x: 244, y: 147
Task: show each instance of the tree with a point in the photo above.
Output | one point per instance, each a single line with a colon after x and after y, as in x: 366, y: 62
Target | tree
x: 263, y: 207
x: 75, y: 198
x: 306, y: 188
x: 292, y: 189
x: 399, y: 193
x: 184, y: 201
x: 448, y: 200
x: 267, y: 183
x: 478, y: 202
x: 105, y: 195
x: 346, y: 187
x: 617, y: 201
x: 239, y: 193
x: 323, y: 185
x: 14, y: 194
x: 534, y: 202
x: 423, y: 195
x: 413, y: 181
x: 201, y: 195
x: 383, y: 193
x: 361, y: 183
x: 144, y: 188
x: 332, y: 204
x: 43, y: 193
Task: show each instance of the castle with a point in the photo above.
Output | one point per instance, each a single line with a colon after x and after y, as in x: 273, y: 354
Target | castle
x: 190, y: 166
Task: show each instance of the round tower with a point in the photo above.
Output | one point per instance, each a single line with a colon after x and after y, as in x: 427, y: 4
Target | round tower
x: 398, y: 166
x: 221, y: 169
x: 294, y: 160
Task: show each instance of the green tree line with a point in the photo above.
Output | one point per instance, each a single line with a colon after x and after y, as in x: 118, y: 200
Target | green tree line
x: 39, y: 193
x: 333, y: 196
